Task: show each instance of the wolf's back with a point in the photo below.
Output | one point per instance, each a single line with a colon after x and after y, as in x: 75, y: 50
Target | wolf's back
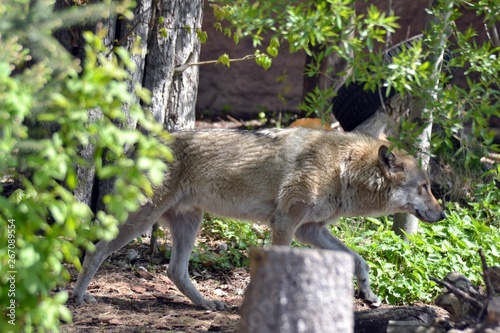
x: 241, y: 157
x: 252, y: 168
x: 215, y: 169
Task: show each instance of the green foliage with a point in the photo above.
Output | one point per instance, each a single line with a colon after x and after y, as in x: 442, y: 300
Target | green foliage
x: 263, y: 60
x: 44, y: 112
x: 486, y: 201
x: 302, y: 25
x: 202, y: 35
x: 318, y: 99
x: 333, y: 27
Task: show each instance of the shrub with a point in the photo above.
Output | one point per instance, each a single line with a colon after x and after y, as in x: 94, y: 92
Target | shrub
x: 42, y: 223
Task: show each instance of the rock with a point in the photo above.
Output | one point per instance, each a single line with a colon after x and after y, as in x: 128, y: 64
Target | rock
x: 493, y: 316
x: 494, y: 274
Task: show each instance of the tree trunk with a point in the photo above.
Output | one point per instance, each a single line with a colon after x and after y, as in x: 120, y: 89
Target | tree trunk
x: 174, y: 93
x: 162, y: 48
x: 298, y: 290
x: 406, y: 222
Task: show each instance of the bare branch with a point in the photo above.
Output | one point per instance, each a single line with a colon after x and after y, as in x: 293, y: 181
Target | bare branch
x: 490, y: 291
x: 182, y: 68
x: 459, y: 293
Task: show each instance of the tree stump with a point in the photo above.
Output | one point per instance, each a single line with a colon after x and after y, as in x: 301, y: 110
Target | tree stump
x: 298, y: 290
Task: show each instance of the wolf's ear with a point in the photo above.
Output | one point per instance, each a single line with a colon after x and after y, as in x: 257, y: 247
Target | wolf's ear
x: 388, y: 161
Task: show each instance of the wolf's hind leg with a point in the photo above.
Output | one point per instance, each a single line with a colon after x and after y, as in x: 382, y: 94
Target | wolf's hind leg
x: 318, y: 235
x: 137, y: 223
x: 184, y: 228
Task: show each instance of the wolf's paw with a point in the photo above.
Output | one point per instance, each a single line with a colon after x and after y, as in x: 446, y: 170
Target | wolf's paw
x: 370, y: 299
x: 212, y: 305
x: 373, y: 303
x: 86, y: 298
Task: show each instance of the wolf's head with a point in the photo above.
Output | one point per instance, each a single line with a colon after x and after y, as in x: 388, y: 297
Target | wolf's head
x: 410, y: 185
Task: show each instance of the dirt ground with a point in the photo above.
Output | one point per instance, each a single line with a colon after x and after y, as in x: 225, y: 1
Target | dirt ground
x: 135, y: 295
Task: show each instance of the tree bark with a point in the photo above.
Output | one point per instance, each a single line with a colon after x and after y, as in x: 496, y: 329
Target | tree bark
x: 174, y: 93
x: 298, y: 290
x: 159, y: 49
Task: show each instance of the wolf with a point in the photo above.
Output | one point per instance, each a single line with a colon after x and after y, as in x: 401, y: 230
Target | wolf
x: 296, y: 181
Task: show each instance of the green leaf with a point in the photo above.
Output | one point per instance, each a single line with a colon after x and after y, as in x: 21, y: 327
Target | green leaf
x: 272, y: 51
x: 224, y: 59
x: 71, y: 179
x: 17, y: 196
x: 263, y: 60
x: 202, y: 35
x: 58, y: 211
x: 274, y: 42
x: 163, y: 32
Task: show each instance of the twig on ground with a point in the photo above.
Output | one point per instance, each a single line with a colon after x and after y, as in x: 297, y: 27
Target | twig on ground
x: 459, y: 293
x: 490, y: 291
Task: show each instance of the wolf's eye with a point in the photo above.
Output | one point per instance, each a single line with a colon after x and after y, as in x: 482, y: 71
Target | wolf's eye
x: 425, y: 187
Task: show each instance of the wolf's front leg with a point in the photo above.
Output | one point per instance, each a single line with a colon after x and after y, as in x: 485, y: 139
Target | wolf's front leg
x: 318, y: 235
x: 284, y: 225
x: 184, y: 227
